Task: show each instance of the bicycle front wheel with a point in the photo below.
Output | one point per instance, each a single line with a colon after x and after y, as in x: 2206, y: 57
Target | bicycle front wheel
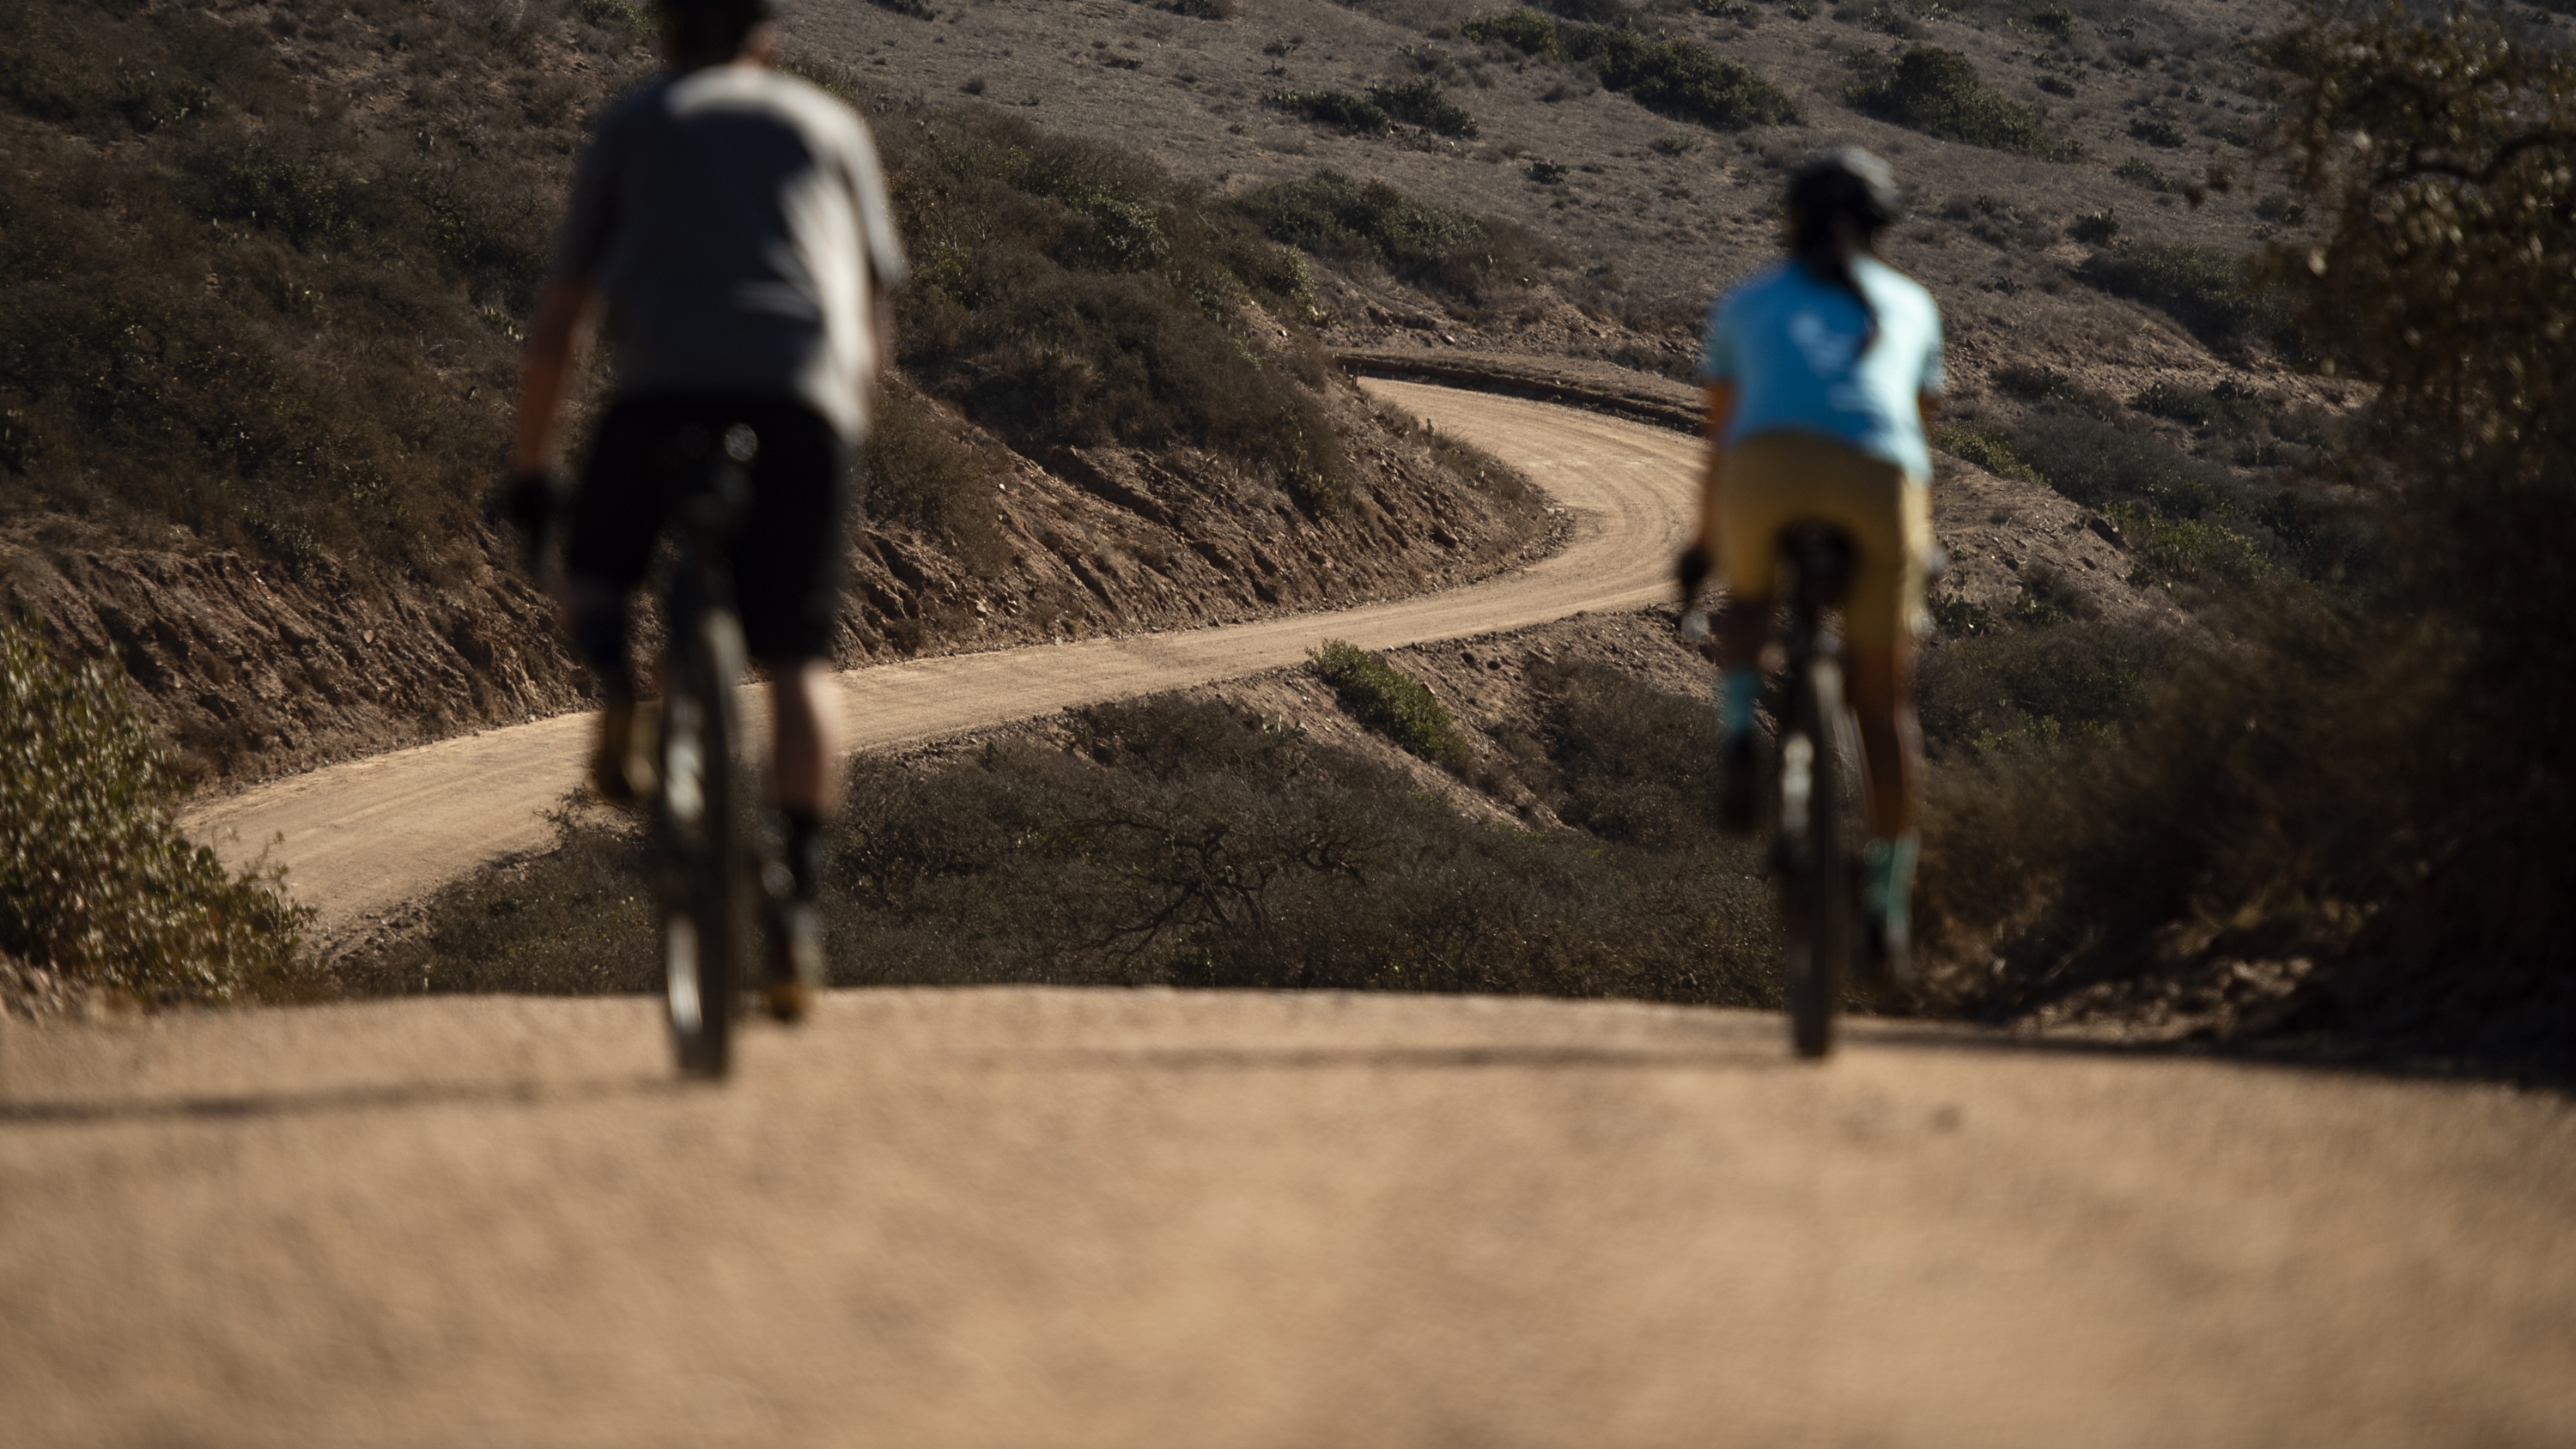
x: 1815, y: 878
x: 704, y: 842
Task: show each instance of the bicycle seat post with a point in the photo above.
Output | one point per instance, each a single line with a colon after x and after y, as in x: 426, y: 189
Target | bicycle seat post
x: 1819, y: 559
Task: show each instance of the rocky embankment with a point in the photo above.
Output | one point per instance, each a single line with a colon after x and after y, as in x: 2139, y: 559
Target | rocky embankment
x: 251, y: 671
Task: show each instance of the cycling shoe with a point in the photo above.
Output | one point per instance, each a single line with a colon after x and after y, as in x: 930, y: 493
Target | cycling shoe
x: 621, y: 763
x: 1886, y: 965
x: 795, y: 975
x: 1739, y: 785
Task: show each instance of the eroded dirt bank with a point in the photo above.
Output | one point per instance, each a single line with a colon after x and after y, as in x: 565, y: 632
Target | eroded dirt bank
x: 254, y: 672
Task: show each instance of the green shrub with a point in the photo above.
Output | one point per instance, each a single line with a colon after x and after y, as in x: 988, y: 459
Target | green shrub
x: 1350, y: 114
x: 1688, y: 82
x: 1421, y: 102
x: 96, y: 882
x: 1337, y: 217
x: 2136, y: 169
x: 2157, y: 132
x: 1521, y: 28
x: 618, y: 12
x: 2228, y: 406
x: 2221, y: 823
x: 2202, y: 288
x: 2029, y: 380
x: 2189, y: 549
x: 2099, y: 461
x: 1989, y: 450
x: 1937, y: 92
x: 2080, y: 677
x: 1393, y: 703
x: 2095, y: 228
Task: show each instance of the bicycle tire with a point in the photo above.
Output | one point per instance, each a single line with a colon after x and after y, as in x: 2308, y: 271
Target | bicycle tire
x: 1815, y: 876
x: 701, y: 813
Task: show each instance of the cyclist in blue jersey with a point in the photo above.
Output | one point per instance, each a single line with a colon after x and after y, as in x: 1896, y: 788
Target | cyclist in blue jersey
x: 1821, y: 374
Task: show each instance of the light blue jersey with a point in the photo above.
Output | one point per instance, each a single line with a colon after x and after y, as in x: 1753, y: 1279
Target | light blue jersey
x: 1791, y: 344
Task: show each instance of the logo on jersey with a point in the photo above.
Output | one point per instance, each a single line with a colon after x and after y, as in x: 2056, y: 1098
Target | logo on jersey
x: 1829, y: 353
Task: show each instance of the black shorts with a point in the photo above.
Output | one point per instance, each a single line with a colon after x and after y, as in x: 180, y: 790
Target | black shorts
x: 789, y: 551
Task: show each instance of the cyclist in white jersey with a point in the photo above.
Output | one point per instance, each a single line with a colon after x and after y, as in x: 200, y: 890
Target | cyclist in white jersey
x: 730, y: 233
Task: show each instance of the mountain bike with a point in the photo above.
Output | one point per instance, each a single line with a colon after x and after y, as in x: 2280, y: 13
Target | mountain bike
x: 702, y: 825
x: 1812, y: 782
x: 1811, y: 843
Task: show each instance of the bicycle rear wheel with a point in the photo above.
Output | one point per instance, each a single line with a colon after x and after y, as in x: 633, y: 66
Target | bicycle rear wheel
x: 705, y: 846
x: 1815, y: 878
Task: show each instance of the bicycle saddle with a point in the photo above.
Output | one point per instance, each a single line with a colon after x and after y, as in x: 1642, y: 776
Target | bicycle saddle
x: 1819, y: 556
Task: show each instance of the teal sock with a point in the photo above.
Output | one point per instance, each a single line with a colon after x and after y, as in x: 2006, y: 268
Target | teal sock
x: 1738, y: 691
x: 1887, y: 876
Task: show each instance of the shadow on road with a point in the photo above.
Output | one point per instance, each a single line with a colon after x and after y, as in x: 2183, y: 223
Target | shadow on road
x: 1391, y: 1058
x: 249, y: 1105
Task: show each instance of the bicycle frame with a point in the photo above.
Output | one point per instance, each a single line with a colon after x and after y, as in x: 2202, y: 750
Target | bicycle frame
x: 700, y: 834
x: 1809, y: 850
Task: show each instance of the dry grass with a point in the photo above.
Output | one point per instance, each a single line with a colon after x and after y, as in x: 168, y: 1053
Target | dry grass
x: 231, y: 300
x: 1069, y: 295
x: 1181, y: 843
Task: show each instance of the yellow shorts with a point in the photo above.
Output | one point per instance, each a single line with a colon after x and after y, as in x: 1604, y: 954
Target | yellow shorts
x: 1777, y: 479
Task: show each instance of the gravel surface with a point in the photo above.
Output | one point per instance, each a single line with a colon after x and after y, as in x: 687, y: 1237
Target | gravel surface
x: 1040, y: 1217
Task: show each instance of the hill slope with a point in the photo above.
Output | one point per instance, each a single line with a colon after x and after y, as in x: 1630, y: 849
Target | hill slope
x: 265, y: 280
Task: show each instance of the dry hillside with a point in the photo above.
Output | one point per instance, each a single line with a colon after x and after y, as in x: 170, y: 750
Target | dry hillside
x: 267, y: 267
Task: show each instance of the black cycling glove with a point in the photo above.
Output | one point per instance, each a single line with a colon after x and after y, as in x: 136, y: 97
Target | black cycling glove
x: 531, y: 501
x: 1691, y: 571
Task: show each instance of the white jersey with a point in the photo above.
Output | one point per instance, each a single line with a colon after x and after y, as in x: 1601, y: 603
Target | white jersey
x: 733, y: 221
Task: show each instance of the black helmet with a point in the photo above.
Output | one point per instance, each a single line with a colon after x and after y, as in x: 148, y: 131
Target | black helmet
x: 705, y: 30
x: 1846, y: 181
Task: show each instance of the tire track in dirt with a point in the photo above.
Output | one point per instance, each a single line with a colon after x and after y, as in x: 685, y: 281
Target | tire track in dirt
x: 365, y: 837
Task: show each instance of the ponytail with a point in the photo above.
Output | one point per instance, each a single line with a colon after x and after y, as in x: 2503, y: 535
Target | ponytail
x: 1827, y: 245
x: 1839, y: 201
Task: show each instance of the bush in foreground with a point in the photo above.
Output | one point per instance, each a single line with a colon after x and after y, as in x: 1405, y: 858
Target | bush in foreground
x: 2344, y: 825
x: 96, y: 882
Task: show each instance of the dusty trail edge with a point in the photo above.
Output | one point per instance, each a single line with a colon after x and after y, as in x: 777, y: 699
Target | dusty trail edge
x: 366, y: 837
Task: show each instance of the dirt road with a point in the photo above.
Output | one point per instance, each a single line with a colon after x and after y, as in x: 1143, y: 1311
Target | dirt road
x: 1021, y: 1217
x: 363, y: 837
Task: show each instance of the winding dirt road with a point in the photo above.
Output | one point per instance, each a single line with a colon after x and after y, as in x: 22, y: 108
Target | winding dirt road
x: 1029, y: 1217
x: 372, y: 834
